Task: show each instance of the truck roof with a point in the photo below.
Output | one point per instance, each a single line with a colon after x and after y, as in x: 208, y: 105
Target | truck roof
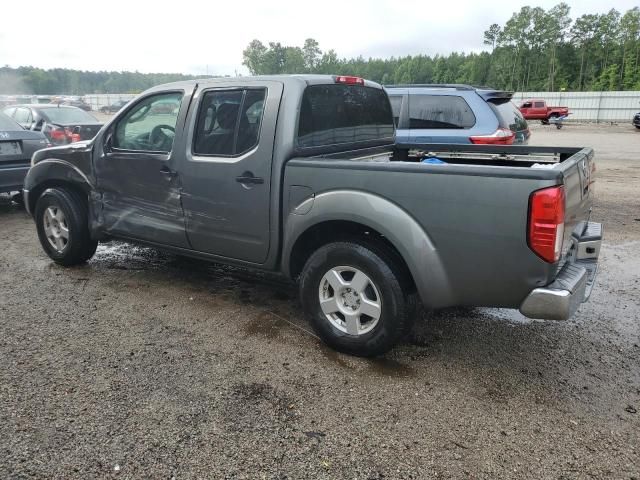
x: 307, y: 79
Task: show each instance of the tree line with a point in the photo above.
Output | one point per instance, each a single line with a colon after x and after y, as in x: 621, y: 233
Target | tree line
x: 37, y: 81
x: 535, y: 50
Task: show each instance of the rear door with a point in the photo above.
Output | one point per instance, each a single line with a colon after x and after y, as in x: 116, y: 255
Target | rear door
x: 226, y: 175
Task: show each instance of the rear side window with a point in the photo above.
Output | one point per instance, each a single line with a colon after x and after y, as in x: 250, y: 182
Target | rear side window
x: 229, y: 122
x: 538, y: 104
x: 337, y: 114
x: 396, y: 107
x: 509, y: 116
x: 439, y: 111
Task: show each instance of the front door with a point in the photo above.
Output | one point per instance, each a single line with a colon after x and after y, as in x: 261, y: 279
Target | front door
x: 226, y: 178
x: 139, y: 187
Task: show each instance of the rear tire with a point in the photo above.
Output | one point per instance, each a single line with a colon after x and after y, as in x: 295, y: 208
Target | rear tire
x: 353, y: 296
x: 62, y: 221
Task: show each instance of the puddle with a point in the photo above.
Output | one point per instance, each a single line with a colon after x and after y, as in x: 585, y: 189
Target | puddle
x: 388, y: 367
x: 265, y: 325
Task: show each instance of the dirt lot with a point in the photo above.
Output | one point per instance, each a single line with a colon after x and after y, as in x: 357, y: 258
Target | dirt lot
x: 144, y: 365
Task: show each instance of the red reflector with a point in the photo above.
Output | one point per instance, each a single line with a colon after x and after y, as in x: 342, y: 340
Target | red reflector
x: 502, y: 136
x: 349, y: 80
x: 546, y: 223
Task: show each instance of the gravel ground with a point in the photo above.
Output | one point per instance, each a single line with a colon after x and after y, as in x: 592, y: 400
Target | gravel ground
x: 141, y: 364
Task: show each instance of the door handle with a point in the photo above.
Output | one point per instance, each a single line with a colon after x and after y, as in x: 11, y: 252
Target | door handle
x: 167, y: 171
x: 248, y: 178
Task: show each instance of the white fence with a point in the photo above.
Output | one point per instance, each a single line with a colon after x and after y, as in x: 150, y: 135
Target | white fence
x: 590, y: 106
x: 97, y: 101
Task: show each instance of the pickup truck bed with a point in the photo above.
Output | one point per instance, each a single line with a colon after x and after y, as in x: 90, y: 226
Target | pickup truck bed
x: 473, y: 210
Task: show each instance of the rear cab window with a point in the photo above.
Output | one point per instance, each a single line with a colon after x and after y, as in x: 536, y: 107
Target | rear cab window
x: 337, y: 114
x: 440, y: 112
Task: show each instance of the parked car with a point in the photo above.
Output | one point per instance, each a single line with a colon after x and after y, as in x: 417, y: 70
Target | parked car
x: 456, y: 114
x: 636, y: 120
x: 114, y: 107
x: 537, y: 109
x: 60, y: 124
x: 16, y: 147
x: 296, y: 174
x: 77, y: 103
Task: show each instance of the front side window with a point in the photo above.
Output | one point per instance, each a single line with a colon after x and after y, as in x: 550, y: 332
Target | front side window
x: 526, y: 105
x: 440, y: 112
x: 150, y: 125
x: 228, y: 122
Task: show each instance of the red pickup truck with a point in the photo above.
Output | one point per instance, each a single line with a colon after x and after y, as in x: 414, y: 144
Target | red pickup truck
x: 537, y: 109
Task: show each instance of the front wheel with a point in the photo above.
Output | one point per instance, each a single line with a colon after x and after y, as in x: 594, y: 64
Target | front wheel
x: 353, y: 297
x: 62, y: 222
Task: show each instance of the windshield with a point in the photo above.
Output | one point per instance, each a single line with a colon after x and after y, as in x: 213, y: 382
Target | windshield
x: 336, y: 114
x: 67, y: 115
x: 7, y: 124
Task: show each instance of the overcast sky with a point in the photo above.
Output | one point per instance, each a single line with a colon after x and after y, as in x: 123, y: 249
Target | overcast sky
x: 199, y: 37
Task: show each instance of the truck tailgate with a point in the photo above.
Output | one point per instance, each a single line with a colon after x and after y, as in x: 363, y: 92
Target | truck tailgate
x: 578, y: 178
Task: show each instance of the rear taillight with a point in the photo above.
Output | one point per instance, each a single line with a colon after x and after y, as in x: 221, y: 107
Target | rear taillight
x: 73, y: 134
x: 64, y: 135
x: 58, y: 136
x: 348, y: 80
x: 546, y: 223
x: 502, y: 136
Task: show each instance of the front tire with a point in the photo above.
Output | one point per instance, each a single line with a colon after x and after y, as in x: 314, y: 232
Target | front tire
x: 62, y: 221
x: 353, y: 297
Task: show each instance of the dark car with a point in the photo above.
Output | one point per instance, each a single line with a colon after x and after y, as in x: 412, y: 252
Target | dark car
x: 452, y: 113
x: 61, y: 124
x: 636, y: 120
x: 16, y: 147
x: 114, y: 107
x: 77, y: 103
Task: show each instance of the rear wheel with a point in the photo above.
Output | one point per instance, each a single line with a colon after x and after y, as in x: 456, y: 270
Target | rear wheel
x: 353, y: 297
x: 62, y: 222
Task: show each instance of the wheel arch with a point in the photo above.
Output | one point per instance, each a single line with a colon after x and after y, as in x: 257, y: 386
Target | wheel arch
x: 53, y: 173
x: 336, y: 214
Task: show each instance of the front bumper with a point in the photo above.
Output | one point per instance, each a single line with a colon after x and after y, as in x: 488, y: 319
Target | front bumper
x: 560, y: 299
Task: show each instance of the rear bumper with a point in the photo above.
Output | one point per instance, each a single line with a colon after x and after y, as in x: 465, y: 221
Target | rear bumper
x: 12, y: 178
x: 560, y: 299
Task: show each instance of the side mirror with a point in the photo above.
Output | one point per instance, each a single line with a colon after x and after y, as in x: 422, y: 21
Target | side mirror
x: 38, y: 126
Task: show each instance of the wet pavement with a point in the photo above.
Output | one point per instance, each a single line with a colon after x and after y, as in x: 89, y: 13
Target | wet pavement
x: 142, y: 364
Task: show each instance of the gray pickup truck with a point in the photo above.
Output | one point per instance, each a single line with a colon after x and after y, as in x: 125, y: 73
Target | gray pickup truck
x: 301, y: 175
